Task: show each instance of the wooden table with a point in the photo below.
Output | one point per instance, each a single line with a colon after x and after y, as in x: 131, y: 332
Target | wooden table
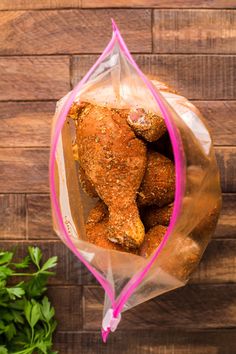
x: 46, y: 46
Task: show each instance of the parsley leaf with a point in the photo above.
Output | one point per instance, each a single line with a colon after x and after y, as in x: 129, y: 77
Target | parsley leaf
x: 3, y: 349
x: 23, y: 264
x: 50, y: 263
x: 35, y: 255
x: 27, y: 317
x: 15, y: 292
x: 5, y: 257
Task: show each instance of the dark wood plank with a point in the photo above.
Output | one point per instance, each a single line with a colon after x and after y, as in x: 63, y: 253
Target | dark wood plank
x: 226, y: 227
x: 26, y: 170
x: 217, y: 266
x: 69, y: 270
x: 26, y: 124
x: 72, y: 31
x: 193, y: 307
x: 221, y: 117
x: 194, y: 31
x: 39, y: 217
x: 12, y: 216
x: 34, y: 78
x: 200, y: 77
x: 56, y: 4
x: 160, y: 4
x: 218, y: 263
x: 67, y: 301
x: 194, y: 76
x: 149, y: 341
x: 39, y: 4
x: 226, y: 158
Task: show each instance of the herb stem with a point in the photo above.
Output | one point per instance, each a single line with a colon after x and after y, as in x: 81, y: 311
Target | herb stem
x: 25, y: 351
x: 23, y: 274
x: 32, y: 335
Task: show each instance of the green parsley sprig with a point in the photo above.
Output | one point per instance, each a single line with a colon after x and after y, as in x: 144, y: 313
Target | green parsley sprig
x: 27, y: 318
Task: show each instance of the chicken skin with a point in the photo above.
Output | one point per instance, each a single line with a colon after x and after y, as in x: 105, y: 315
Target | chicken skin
x: 96, y: 228
x: 147, y: 125
x: 158, y: 184
x: 152, y: 240
x: 114, y: 161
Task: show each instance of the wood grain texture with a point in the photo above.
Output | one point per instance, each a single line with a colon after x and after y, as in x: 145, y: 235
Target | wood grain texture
x: 39, y: 218
x: 26, y: 169
x: 71, y: 31
x: 67, y: 301
x: 39, y: 4
x: 148, y: 342
x: 226, y: 227
x: 200, y: 77
x: 226, y: 158
x: 217, y: 266
x: 194, y: 31
x: 12, y: 216
x: 34, y: 78
x: 26, y: 124
x: 193, y: 307
x: 52, y: 4
x: 221, y: 118
x: 160, y: 4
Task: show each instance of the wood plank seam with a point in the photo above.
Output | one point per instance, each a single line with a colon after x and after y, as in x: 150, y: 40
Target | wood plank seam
x: 173, y: 7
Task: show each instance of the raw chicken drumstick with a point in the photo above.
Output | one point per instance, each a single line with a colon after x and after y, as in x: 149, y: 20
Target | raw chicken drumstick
x: 96, y: 229
x: 114, y: 160
x: 158, y: 184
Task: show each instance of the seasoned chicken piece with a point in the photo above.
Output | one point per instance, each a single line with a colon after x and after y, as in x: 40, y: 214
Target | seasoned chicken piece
x: 147, y: 125
x: 152, y: 240
x: 114, y: 161
x: 158, y: 184
x: 186, y: 254
x: 152, y: 215
x: 96, y: 228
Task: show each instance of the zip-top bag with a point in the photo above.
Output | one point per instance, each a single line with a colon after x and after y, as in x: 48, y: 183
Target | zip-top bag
x: 114, y: 161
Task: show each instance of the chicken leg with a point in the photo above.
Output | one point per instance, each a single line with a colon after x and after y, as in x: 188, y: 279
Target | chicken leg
x: 114, y: 160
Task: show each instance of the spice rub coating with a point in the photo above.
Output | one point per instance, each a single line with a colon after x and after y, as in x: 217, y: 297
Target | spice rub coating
x: 96, y: 228
x: 158, y: 184
x: 114, y: 161
x: 152, y: 240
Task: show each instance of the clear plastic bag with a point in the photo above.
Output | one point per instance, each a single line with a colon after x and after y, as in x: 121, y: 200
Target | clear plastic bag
x: 128, y: 279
